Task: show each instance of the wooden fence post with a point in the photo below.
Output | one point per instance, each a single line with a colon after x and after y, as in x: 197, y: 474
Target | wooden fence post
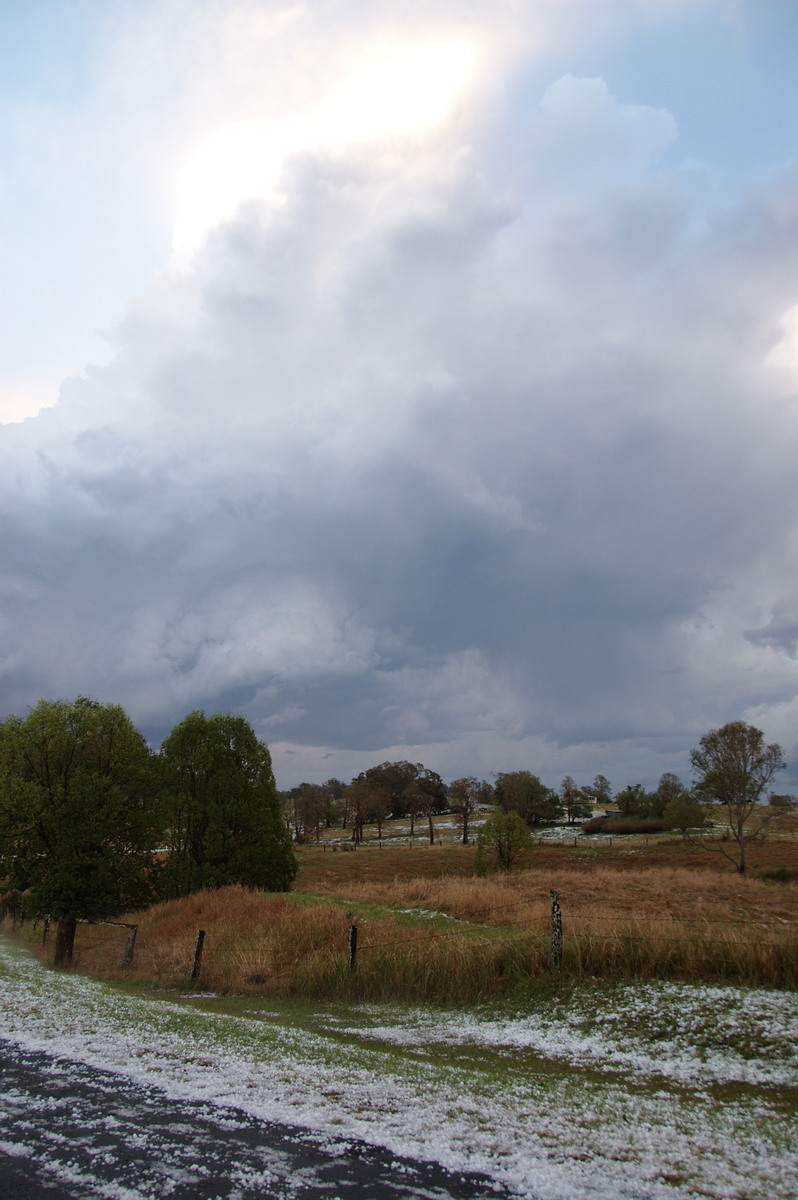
x: 127, y: 957
x: 352, y: 947
x: 195, y: 970
x: 556, y: 930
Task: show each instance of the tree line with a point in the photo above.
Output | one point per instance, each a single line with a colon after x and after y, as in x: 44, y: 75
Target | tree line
x: 733, y: 767
x: 405, y: 790
x: 93, y: 822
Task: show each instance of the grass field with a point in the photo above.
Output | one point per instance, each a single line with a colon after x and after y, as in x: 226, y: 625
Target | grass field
x: 428, y: 929
x: 644, y: 1091
x: 650, y: 1065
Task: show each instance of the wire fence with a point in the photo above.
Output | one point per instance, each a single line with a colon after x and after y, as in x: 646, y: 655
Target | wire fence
x: 549, y: 929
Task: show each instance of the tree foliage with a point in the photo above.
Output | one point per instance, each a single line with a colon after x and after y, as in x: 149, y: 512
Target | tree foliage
x: 465, y: 797
x: 78, y: 818
x: 523, y: 793
x: 225, y: 823
x: 504, y: 834
x: 396, y: 789
x: 575, y: 801
x: 733, y: 766
x: 601, y: 790
x: 683, y: 812
x: 635, y: 801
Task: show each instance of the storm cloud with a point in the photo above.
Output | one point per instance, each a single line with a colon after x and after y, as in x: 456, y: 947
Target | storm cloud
x: 472, y: 445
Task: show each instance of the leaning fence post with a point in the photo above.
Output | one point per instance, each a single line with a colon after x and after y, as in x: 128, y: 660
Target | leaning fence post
x: 352, y: 947
x: 127, y: 957
x: 556, y: 929
x: 195, y: 970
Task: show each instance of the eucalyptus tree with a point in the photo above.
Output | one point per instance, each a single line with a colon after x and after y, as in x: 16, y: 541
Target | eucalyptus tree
x: 465, y: 797
x: 733, y: 767
x: 576, y: 802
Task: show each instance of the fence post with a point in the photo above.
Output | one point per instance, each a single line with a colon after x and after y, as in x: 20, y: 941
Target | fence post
x: 352, y: 947
x: 127, y: 957
x: 195, y: 970
x: 556, y: 930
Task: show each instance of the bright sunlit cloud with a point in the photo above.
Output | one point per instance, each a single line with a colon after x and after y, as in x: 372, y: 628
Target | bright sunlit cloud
x: 403, y: 90
x: 393, y: 91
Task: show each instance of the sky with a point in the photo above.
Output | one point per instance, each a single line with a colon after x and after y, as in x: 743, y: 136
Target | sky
x: 417, y: 380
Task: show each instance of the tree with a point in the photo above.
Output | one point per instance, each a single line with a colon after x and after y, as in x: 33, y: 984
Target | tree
x: 335, y: 805
x: 669, y: 788
x: 523, y: 793
x: 506, y: 834
x: 79, y: 819
x: 575, y: 802
x: 307, y: 807
x: 225, y: 824
x: 602, y: 790
x: 382, y: 791
x: 683, y: 812
x: 427, y: 795
x: 465, y: 797
x: 733, y: 767
x: 634, y: 801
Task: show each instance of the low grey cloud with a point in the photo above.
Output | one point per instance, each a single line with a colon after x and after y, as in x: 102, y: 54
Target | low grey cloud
x: 474, y: 450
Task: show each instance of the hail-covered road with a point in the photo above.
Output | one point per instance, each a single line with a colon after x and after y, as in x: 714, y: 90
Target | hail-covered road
x: 74, y: 1131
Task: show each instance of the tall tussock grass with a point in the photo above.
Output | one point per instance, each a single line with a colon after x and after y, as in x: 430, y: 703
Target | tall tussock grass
x: 285, y: 946
x: 657, y: 924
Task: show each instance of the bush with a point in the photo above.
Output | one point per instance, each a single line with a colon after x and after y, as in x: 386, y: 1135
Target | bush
x: 504, y: 834
x: 780, y: 875
x: 624, y: 825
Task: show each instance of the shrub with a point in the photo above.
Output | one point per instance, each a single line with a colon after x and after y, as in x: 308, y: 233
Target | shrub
x: 624, y: 825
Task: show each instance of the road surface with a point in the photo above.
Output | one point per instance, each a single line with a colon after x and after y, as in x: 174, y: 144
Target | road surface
x: 70, y: 1132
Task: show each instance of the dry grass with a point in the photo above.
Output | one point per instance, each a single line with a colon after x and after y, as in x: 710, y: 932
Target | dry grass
x: 662, y: 911
x: 659, y: 922
x: 652, y: 894
x: 281, y: 945
x: 656, y: 922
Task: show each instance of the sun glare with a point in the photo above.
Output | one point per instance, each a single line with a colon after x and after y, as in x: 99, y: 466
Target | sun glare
x: 401, y: 91
x: 393, y: 91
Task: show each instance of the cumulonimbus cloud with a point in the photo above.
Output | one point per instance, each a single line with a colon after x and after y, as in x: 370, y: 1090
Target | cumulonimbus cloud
x: 470, y: 440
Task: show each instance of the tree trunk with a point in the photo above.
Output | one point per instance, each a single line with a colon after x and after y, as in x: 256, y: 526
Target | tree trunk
x: 431, y: 830
x: 465, y: 826
x: 64, y: 941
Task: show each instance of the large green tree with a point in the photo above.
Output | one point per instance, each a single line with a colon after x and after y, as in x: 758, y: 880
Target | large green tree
x: 733, y: 766
x: 224, y: 819
x: 524, y: 793
x: 78, y: 817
